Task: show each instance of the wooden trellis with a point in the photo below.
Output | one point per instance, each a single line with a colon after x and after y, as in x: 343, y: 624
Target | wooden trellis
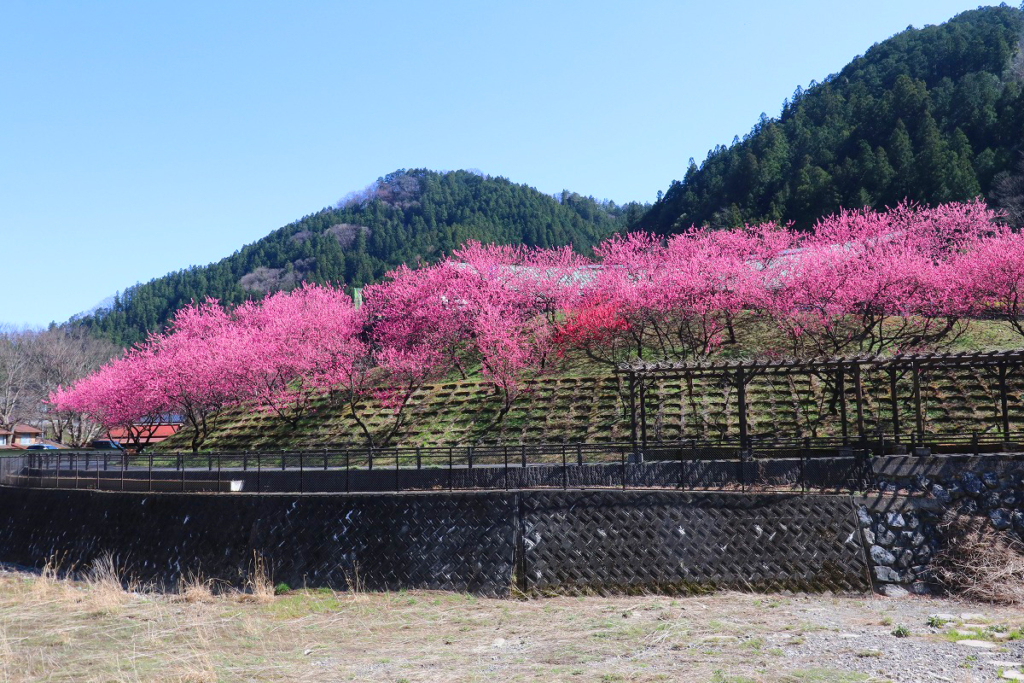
x: 1001, y: 365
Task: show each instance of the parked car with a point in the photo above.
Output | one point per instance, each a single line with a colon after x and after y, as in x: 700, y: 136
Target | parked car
x: 105, y: 445
x: 41, y: 447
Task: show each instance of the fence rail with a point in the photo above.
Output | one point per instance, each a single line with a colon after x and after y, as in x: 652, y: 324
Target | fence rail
x: 762, y: 464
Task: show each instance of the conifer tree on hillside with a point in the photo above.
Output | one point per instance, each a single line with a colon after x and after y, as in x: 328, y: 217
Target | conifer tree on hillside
x: 931, y: 115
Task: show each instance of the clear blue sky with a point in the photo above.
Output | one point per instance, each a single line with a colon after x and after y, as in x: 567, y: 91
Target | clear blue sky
x: 138, y: 138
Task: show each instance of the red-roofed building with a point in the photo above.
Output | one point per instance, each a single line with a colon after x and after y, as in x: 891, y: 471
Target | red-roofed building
x: 147, y: 434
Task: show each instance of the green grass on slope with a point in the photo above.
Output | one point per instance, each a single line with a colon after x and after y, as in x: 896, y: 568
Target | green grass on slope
x: 586, y: 404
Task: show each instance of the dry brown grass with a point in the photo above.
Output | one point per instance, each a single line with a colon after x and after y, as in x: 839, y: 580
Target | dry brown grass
x: 108, y: 587
x: 194, y: 588
x: 55, y: 633
x: 979, y: 562
x: 259, y: 585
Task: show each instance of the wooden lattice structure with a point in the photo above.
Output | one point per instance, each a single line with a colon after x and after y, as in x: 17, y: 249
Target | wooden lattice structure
x: 838, y: 373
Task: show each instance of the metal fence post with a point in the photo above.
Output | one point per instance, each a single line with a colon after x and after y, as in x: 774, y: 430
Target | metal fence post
x: 622, y: 454
x: 506, y: 468
x: 348, y: 473
x: 182, y: 471
x: 259, y: 472
x: 151, y: 470
x: 451, y: 458
x: 419, y: 459
x: 398, y: 484
x: 283, y: 461
x: 124, y: 466
x: 565, y: 470
x: 805, y: 456
x: 301, y: 472
x: 743, y: 469
x: 325, y: 460
x: 803, y: 475
x: 680, y: 483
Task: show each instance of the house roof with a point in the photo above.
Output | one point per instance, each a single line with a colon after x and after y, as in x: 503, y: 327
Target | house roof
x: 154, y: 433
x: 4, y: 431
x: 26, y: 429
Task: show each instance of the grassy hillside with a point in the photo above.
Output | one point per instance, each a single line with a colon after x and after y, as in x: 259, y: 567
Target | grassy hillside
x: 584, y: 404
x: 405, y: 217
x: 933, y: 114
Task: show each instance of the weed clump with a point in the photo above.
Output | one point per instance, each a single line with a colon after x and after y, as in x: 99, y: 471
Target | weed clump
x: 979, y: 562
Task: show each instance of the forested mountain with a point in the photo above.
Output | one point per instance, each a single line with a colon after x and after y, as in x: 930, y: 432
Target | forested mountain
x: 932, y: 114
x: 405, y: 217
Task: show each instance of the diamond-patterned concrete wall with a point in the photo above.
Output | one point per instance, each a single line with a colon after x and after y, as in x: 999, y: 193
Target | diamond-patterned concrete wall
x: 685, y: 542
x: 573, y: 541
x: 461, y: 542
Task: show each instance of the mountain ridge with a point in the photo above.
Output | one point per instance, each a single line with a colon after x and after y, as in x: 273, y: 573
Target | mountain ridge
x: 931, y: 115
x: 408, y: 216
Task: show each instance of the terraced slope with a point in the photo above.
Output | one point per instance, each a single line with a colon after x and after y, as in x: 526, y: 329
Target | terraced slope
x: 593, y: 409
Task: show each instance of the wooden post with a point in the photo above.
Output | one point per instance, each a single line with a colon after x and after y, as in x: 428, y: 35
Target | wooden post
x: 918, y: 409
x: 741, y: 401
x: 894, y: 405
x: 643, y: 414
x: 632, y: 411
x: 1003, y: 402
x: 841, y: 391
x: 858, y: 385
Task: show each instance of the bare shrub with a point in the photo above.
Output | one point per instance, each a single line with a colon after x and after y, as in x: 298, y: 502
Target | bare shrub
x: 265, y: 279
x: 195, y: 589
x: 259, y: 586
x: 345, y: 233
x: 51, y: 583
x: 355, y: 584
x: 979, y: 562
x: 108, y: 585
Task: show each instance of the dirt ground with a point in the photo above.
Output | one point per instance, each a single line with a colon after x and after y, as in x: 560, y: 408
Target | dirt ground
x: 58, y: 630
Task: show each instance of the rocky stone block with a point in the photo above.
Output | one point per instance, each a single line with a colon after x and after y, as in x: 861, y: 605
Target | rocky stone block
x: 895, y: 520
x: 887, y: 575
x: 1000, y: 518
x: 940, y: 494
x: 880, y: 555
x: 972, y: 483
x: 891, y: 590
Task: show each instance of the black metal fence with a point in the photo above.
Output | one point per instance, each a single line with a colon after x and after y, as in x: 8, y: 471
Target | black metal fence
x: 827, y: 464
x: 796, y: 465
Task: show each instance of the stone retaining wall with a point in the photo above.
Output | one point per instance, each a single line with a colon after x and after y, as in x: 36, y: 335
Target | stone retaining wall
x: 487, y: 542
x: 580, y: 540
x: 901, y: 524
